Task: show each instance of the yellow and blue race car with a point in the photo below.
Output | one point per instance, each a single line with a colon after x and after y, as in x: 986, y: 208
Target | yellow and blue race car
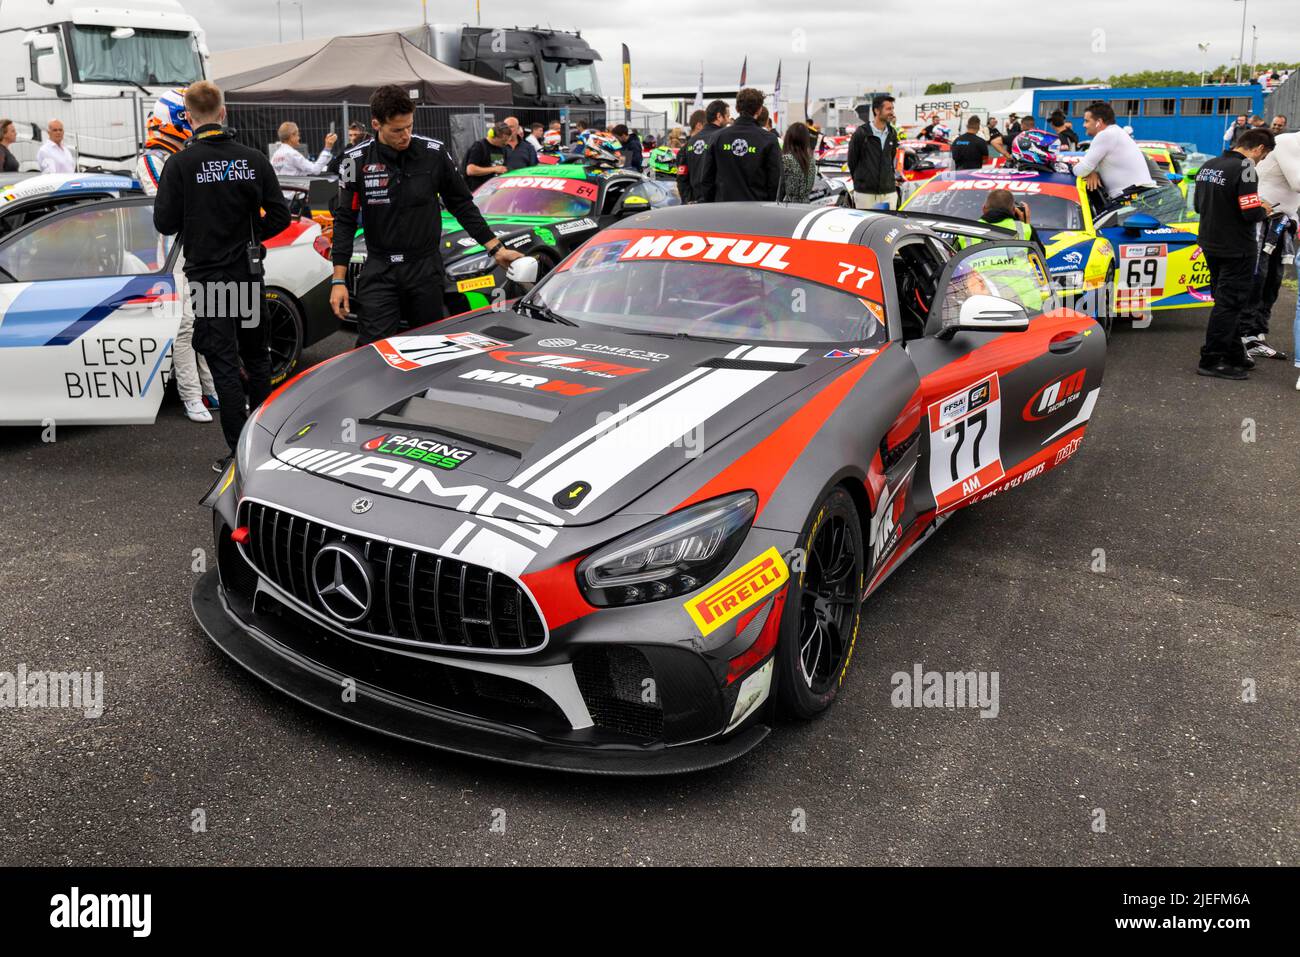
x: 1110, y: 263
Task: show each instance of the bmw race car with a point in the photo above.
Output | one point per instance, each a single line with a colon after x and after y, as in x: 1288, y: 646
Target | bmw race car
x: 89, y: 308
x: 613, y: 528
x: 1118, y: 262
x: 32, y: 197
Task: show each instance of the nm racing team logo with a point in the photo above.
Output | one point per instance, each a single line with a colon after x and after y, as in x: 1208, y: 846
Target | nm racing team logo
x: 1054, y: 396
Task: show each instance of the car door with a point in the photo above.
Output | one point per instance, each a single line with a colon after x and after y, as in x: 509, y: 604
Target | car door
x: 1000, y: 406
x: 1155, y: 257
x: 88, y: 315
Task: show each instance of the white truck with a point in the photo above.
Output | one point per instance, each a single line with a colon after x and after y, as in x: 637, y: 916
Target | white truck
x: 98, y: 69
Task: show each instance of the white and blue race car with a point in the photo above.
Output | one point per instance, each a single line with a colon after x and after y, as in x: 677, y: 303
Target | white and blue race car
x: 89, y: 303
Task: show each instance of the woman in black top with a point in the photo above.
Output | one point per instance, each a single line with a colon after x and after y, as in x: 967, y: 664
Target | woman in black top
x: 8, y: 133
x: 798, y: 172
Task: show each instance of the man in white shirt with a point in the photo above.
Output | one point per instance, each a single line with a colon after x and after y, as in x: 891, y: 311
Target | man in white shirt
x: 534, y: 137
x: 288, y: 161
x: 1279, y: 187
x: 53, y: 157
x: 1114, y: 162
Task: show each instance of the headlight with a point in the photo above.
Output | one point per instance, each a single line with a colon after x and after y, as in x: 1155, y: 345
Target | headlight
x: 474, y: 264
x: 1070, y: 279
x: 671, y: 556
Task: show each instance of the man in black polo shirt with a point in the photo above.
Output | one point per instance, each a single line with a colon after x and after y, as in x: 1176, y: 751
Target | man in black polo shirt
x: 1230, y: 208
x: 487, y: 157
x: 970, y: 150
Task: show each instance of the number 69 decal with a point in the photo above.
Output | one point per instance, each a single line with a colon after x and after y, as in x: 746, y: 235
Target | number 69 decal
x: 965, y: 442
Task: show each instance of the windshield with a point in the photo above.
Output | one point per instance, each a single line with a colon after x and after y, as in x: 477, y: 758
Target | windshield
x: 714, y: 299
x: 154, y: 57
x: 1166, y: 203
x: 536, y: 196
x: 1045, y: 211
x: 562, y: 77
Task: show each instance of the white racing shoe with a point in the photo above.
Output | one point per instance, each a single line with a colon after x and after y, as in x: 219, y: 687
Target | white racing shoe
x: 197, y: 411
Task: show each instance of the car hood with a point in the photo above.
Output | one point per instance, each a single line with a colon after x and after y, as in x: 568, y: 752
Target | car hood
x: 577, y: 423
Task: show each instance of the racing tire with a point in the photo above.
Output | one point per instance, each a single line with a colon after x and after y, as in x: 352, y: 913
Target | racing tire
x: 823, y: 608
x: 283, y: 316
x: 545, y: 263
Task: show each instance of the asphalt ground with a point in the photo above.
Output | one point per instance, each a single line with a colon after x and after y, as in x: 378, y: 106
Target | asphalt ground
x: 1120, y: 691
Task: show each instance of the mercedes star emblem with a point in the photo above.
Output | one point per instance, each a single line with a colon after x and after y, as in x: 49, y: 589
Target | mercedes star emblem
x: 361, y: 506
x: 342, y: 581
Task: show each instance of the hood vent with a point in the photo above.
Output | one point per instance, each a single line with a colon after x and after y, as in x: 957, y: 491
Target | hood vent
x: 721, y: 362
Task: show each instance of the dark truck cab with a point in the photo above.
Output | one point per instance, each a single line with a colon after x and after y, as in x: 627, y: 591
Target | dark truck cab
x: 545, y: 68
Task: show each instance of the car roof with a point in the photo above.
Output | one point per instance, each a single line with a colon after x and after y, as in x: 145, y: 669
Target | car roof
x: 1002, y: 173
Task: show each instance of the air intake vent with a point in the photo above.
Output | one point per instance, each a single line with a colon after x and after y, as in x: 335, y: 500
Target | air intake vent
x: 504, y: 332
x: 752, y: 366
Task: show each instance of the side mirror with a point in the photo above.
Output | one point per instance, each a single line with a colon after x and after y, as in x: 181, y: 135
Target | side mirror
x: 986, y: 314
x: 47, y: 60
x: 523, y: 271
x: 1135, y: 222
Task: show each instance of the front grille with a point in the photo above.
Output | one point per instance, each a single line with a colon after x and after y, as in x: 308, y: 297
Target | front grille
x: 418, y: 597
x: 620, y: 689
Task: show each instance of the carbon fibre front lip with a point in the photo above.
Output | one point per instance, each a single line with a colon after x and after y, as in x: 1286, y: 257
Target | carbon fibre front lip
x: 318, y: 687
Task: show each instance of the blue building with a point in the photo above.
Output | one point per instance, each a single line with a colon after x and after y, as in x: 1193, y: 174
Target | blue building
x: 1180, y: 114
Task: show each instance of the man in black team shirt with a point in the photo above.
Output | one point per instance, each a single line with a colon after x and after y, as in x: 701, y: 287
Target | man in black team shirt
x: 397, y: 179
x: 1229, y: 205
x: 690, y: 158
x: 225, y: 200
x: 970, y: 150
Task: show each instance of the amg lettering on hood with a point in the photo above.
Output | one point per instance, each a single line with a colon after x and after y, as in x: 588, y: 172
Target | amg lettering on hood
x: 438, y: 454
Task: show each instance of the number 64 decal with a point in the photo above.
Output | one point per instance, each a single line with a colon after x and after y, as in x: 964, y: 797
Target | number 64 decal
x: 966, y: 442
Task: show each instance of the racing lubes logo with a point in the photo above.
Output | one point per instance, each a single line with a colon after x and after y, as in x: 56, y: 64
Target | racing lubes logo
x: 1056, y: 395
x: 438, y: 454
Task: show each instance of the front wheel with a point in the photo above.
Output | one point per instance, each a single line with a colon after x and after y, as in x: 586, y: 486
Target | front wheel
x: 823, y: 608
x: 284, y: 332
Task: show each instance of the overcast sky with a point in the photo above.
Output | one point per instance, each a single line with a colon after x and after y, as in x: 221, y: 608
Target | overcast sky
x: 853, y: 44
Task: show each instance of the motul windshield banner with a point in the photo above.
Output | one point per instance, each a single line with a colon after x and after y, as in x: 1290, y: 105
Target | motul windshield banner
x: 560, y: 184
x: 842, y: 265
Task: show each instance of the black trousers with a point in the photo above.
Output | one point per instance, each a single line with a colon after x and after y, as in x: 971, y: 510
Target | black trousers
x: 1264, y: 291
x: 230, y: 333
x: 1231, y: 278
x: 398, y: 295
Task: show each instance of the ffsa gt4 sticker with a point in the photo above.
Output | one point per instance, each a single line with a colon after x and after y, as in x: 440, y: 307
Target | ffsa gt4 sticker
x: 965, y: 442
x: 746, y: 586
x: 415, y: 352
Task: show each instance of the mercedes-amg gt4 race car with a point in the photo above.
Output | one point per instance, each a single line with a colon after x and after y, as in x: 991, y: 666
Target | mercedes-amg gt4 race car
x: 89, y: 308
x: 616, y: 528
x: 1118, y: 263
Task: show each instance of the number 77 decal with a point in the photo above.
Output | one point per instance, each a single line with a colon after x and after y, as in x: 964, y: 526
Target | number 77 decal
x: 965, y: 442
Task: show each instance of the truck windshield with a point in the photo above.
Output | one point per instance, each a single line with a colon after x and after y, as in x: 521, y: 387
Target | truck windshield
x: 154, y: 57
x: 564, y: 77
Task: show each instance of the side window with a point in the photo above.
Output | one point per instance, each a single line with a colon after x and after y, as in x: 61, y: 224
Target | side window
x: 613, y: 193
x: 1014, y: 273
x: 97, y: 241
x: 917, y: 266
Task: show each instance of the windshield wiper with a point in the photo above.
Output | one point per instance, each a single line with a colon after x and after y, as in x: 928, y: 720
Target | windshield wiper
x: 543, y: 312
x: 681, y: 335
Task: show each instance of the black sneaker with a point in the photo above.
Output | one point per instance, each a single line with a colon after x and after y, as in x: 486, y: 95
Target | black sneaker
x: 1221, y: 370
x: 220, y: 464
x: 1260, y: 349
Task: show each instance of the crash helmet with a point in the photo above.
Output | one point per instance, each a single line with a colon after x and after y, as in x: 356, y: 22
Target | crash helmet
x: 1036, y: 148
x: 941, y: 133
x: 663, y: 161
x: 601, y: 147
x: 551, y: 139
x: 168, y: 126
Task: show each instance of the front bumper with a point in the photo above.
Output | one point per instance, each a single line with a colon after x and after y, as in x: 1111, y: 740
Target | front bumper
x: 279, y: 650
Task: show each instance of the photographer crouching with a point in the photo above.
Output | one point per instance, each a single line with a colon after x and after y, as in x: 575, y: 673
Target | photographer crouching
x: 225, y: 200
